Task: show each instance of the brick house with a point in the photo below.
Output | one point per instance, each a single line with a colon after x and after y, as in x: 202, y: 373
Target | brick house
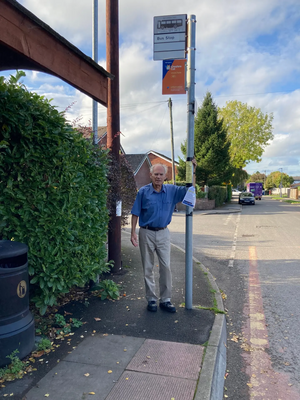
x: 140, y: 165
x: 158, y: 158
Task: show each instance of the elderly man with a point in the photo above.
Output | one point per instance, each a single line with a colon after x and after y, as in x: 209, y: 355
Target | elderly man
x: 153, y: 207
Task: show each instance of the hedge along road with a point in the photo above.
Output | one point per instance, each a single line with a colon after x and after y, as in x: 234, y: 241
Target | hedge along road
x: 254, y: 256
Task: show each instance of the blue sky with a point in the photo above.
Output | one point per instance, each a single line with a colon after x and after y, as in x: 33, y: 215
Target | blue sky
x: 247, y: 50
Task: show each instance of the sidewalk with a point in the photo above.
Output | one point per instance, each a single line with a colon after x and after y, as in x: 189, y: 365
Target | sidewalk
x: 132, y: 354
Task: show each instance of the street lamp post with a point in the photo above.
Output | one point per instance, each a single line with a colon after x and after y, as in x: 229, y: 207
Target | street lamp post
x: 281, y: 183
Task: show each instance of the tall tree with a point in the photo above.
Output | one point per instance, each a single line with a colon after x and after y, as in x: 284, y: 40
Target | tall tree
x: 275, y: 178
x: 249, y: 132
x: 257, y: 177
x: 211, y: 145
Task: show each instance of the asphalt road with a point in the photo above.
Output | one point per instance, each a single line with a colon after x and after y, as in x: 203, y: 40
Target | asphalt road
x: 255, y: 257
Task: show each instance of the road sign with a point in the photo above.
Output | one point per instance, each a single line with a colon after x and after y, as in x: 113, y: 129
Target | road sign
x: 169, y: 41
x: 173, y: 77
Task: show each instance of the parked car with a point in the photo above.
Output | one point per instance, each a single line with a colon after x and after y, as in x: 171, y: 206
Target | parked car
x: 236, y: 191
x: 246, y: 198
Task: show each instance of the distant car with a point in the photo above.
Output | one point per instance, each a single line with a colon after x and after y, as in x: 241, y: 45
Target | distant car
x: 236, y: 191
x: 246, y: 198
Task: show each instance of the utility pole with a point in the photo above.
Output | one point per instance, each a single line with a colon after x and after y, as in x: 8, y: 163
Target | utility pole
x: 189, y: 157
x: 95, y: 58
x: 172, y: 140
x: 113, y: 128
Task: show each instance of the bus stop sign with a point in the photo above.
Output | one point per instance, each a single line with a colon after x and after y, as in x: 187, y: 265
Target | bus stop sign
x: 169, y: 42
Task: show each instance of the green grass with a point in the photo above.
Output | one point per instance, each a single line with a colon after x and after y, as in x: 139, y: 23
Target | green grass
x: 213, y: 309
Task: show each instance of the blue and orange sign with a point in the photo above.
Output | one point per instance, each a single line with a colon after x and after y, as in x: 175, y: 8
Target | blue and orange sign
x: 173, y: 77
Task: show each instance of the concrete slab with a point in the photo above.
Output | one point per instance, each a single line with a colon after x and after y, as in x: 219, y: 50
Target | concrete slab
x: 137, y: 386
x: 168, y: 358
x: 67, y: 381
x: 106, y: 350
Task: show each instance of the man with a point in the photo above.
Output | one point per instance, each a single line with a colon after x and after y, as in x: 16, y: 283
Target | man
x: 153, y: 207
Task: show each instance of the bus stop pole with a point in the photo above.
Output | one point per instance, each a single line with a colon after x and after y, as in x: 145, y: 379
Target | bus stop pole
x: 189, y: 157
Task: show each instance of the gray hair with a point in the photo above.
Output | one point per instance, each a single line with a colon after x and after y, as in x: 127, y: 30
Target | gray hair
x: 161, y: 165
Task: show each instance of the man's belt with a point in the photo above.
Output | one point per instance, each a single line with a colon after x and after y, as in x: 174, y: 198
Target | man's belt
x: 152, y: 229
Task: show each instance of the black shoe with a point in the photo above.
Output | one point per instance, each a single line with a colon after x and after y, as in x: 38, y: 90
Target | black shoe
x: 167, y: 306
x: 152, y: 306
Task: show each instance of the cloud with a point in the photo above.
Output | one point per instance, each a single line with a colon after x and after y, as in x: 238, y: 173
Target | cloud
x: 246, y: 50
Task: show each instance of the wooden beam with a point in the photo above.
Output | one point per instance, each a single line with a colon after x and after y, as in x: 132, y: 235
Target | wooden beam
x: 28, y: 43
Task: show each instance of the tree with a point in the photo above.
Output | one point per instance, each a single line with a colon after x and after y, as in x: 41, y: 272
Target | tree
x: 257, y: 177
x: 239, y: 176
x: 275, y: 178
x: 211, y: 146
x: 249, y: 132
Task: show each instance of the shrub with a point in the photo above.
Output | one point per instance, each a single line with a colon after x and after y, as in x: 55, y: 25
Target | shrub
x: 53, y: 191
x: 126, y: 185
x: 218, y: 193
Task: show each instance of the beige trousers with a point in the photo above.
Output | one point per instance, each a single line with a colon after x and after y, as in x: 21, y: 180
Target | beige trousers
x: 159, y: 242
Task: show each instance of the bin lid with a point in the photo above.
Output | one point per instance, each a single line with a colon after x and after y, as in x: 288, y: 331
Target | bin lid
x: 10, y: 249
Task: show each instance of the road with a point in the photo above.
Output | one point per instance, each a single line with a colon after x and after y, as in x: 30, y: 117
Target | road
x: 255, y: 257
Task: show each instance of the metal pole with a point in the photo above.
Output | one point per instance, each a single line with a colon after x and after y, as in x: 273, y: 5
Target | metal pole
x: 172, y: 140
x: 113, y: 127
x: 281, y: 182
x: 189, y: 157
x: 95, y: 58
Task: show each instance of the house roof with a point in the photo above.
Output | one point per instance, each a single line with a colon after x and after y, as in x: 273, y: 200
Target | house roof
x: 162, y: 156
x: 296, y: 178
x: 137, y: 160
x: 101, y: 137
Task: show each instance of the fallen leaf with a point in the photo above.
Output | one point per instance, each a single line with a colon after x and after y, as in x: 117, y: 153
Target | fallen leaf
x: 109, y: 372
x: 176, y: 321
x: 94, y: 331
x: 97, y: 319
x: 105, y: 334
x: 235, y: 338
x: 47, y: 395
x: 249, y: 384
x: 86, y: 374
x: 125, y: 349
x: 38, y: 354
x: 92, y: 393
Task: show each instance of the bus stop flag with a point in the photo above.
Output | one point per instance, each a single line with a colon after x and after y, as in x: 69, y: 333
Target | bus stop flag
x: 173, y: 81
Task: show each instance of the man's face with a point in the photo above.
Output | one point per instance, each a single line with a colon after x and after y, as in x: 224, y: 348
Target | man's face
x: 158, y: 175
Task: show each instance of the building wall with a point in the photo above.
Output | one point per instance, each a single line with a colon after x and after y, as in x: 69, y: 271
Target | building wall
x: 158, y: 160
x: 142, y: 178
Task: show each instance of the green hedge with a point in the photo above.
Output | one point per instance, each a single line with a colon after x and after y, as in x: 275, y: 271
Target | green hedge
x: 199, y: 193
x: 53, y: 191
x: 219, y: 194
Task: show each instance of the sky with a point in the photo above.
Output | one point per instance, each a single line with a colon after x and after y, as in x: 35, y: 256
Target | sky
x: 246, y: 50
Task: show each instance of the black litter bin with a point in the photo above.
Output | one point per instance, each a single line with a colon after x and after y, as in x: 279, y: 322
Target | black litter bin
x: 16, y: 321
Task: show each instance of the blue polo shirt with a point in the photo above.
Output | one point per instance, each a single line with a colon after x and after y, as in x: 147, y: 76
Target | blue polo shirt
x: 156, y: 208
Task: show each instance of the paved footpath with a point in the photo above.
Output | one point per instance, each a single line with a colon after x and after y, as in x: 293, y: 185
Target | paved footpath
x: 133, y: 354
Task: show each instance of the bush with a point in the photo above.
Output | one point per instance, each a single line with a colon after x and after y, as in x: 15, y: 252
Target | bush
x: 199, y: 193
x: 126, y: 185
x: 218, y: 193
x: 53, y: 191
